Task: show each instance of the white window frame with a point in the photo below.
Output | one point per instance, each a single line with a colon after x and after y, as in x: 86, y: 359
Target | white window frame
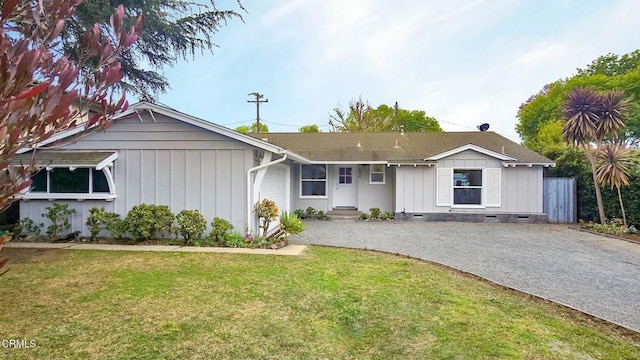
x: 491, y: 188
x: 481, y: 187
x: 107, y: 170
x: 371, y: 172
x: 326, y: 181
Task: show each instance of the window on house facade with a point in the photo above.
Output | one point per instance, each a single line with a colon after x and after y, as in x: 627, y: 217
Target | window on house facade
x: 376, y: 174
x: 345, y: 175
x: 78, y: 175
x: 66, y: 181
x: 467, y: 187
x: 313, y: 180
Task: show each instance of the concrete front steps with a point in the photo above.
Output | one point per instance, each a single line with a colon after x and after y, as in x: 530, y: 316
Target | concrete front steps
x: 344, y: 213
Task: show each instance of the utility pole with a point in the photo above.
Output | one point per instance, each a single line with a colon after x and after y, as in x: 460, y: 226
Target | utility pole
x: 395, y: 114
x: 257, y: 101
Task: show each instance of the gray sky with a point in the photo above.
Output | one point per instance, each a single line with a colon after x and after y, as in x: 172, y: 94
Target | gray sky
x: 465, y: 62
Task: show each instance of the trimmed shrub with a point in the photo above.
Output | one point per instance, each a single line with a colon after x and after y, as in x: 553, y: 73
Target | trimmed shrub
x: 59, y: 215
x: 234, y: 240
x: 220, y: 229
x: 191, y: 225
x: 375, y: 213
x: 27, y: 228
x: 311, y: 213
x: 99, y: 219
x: 144, y: 221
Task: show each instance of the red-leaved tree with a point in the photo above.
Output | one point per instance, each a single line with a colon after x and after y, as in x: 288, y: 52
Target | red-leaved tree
x: 42, y: 92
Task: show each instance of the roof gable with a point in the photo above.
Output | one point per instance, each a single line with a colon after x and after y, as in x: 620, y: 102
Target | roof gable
x: 470, y: 147
x: 152, y: 109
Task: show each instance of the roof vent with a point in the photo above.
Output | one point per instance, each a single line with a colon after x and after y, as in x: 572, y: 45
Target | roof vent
x: 359, y: 145
x: 484, y: 127
x: 396, y: 147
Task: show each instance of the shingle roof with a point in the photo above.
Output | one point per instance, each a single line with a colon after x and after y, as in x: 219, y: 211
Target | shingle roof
x: 63, y: 158
x: 395, y: 147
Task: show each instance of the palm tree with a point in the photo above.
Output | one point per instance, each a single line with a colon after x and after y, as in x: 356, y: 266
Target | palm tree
x: 614, y: 163
x: 590, y: 117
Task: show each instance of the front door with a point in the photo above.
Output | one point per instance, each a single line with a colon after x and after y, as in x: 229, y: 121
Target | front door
x: 345, y: 192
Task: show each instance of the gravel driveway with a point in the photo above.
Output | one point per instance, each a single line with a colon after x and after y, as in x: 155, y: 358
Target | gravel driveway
x: 594, y: 274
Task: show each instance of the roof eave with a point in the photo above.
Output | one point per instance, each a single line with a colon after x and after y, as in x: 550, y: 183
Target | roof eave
x: 531, y: 164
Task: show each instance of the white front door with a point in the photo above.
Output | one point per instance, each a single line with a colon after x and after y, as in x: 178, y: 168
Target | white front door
x: 345, y: 183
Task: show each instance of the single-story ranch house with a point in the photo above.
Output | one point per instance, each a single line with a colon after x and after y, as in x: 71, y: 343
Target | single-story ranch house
x: 156, y: 155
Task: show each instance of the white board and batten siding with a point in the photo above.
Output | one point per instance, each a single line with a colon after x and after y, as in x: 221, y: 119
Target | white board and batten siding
x: 425, y: 189
x: 375, y: 195
x: 166, y: 162
x: 276, y: 186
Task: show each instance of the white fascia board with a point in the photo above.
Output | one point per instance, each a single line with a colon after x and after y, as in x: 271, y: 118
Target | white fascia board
x: 398, y: 164
x: 55, y: 137
x: 209, y: 126
x: 513, y: 164
x: 108, y: 161
x: 470, y: 147
x: 332, y: 162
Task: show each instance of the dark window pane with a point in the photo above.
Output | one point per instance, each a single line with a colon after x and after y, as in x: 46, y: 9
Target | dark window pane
x: 39, y: 181
x: 347, y: 171
x: 467, y: 196
x: 314, y: 172
x: 313, y: 188
x: 100, y: 184
x: 377, y: 177
x: 344, y: 179
x: 63, y: 180
x: 467, y: 178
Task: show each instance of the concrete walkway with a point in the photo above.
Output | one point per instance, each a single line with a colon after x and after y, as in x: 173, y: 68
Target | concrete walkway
x: 290, y: 250
x: 591, y: 273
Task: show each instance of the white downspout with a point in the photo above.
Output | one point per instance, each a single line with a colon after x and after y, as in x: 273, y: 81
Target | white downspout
x: 250, y: 193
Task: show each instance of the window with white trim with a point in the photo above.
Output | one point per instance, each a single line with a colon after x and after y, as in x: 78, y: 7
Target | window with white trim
x: 376, y: 174
x: 345, y: 175
x: 467, y: 187
x: 313, y: 180
x: 62, y: 180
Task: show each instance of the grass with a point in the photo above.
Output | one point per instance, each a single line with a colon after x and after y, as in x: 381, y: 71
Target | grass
x: 326, y: 304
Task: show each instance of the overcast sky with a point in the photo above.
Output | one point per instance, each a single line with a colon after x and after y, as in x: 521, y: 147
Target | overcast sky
x: 465, y: 62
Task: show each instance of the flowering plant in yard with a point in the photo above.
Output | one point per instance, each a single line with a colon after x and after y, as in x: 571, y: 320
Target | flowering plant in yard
x: 267, y: 210
x: 191, y: 225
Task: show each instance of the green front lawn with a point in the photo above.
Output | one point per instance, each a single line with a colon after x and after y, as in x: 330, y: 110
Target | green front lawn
x: 326, y: 304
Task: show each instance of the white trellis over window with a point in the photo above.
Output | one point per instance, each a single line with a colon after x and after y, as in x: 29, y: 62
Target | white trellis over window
x: 79, y: 175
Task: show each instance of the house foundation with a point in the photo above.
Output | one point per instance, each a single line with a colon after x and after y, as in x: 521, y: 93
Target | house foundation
x: 474, y: 217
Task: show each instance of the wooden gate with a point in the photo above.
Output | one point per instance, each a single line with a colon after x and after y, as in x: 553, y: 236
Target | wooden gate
x: 560, y: 201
